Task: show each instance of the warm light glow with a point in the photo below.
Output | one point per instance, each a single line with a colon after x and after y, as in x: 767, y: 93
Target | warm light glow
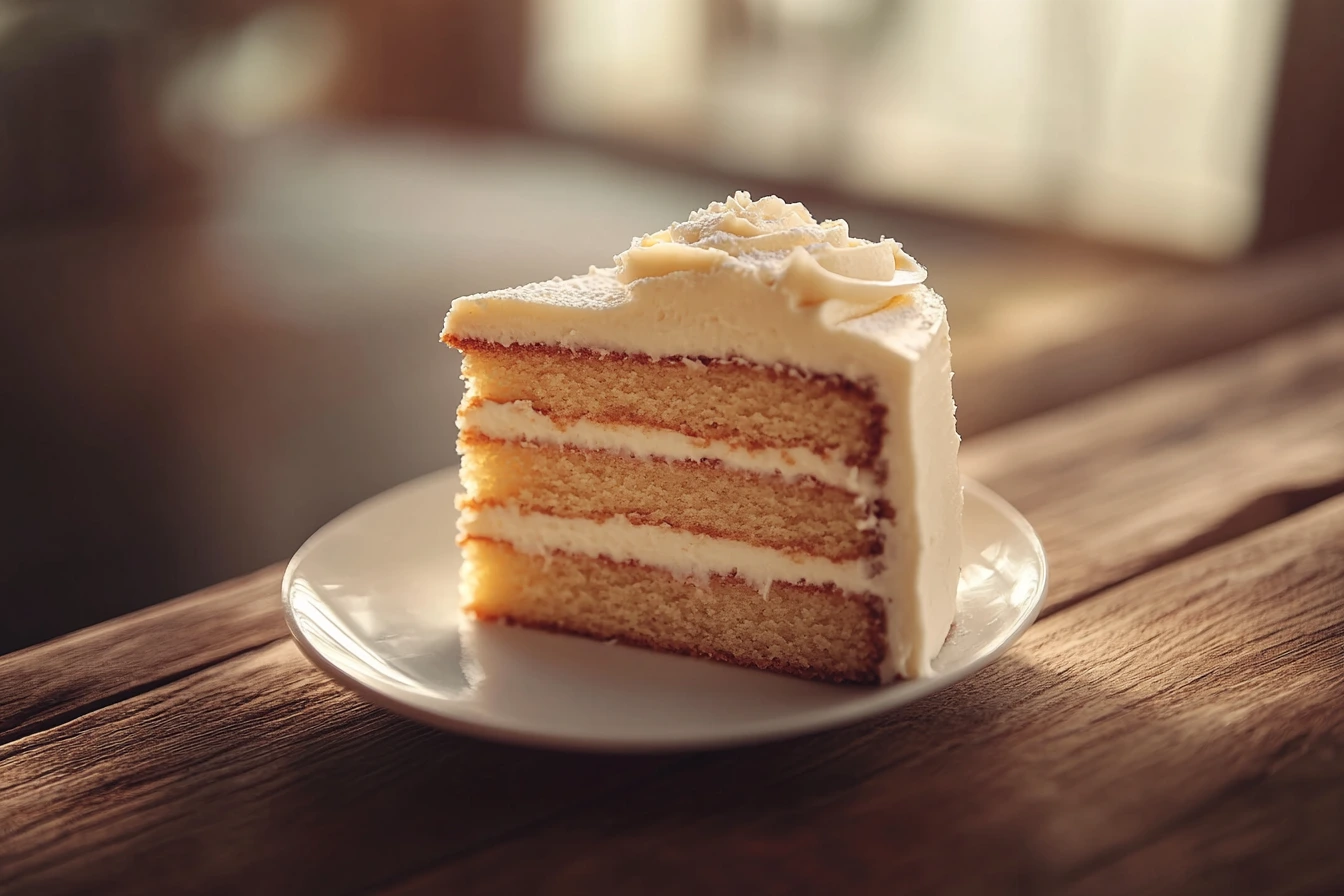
x: 1142, y: 121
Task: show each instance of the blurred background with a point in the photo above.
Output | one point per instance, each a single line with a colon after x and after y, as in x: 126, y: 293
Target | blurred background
x: 229, y: 229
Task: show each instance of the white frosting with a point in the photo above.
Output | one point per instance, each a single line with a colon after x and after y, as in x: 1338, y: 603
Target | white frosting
x: 725, y: 313
x: 807, y: 262
x: 757, y: 301
x: 686, y: 554
x: 517, y: 420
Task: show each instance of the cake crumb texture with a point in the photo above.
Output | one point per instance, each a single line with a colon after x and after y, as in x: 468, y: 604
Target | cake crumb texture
x: 815, y: 632
x: 749, y: 405
x: 802, y: 516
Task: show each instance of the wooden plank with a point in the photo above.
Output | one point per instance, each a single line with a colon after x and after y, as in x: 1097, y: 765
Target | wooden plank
x: 1186, y: 726
x: 1028, y: 357
x: 1223, y: 447
x: 51, y: 683
x: 233, y: 770
x: 1081, y: 490
x: 259, y: 775
x: 1167, y: 466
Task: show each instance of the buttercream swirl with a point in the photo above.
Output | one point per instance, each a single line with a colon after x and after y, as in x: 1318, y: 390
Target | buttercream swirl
x: 786, y: 248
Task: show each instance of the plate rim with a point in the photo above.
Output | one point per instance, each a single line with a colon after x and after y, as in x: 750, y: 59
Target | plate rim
x: 881, y: 701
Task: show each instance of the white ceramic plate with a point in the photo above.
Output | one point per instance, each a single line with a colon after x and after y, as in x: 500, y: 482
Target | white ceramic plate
x: 372, y: 600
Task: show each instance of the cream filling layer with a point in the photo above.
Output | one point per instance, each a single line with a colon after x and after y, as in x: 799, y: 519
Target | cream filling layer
x: 686, y: 554
x: 518, y: 420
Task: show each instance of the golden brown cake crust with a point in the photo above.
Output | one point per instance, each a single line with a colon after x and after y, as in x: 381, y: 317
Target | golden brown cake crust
x: 750, y: 405
x: 798, y: 671
x: 507, y: 579
x: 704, y: 496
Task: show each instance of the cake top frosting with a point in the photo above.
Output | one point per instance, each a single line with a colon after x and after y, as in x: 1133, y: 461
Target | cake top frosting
x: 760, y: 280
x: 784, y: 247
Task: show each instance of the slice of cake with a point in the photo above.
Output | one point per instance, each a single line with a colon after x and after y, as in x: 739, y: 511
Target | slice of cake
x: 738, y: 443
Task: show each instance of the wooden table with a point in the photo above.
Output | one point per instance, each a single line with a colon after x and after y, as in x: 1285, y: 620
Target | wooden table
x: 1173, y: 723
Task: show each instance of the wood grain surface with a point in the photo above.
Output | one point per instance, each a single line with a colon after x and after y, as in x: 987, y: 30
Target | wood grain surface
x: 1094, y: 479
x: 1178, y: 462
x: 1201, y: 698
x: 1176, y: 718
x: 136, y: 653
x: 1030, y: 358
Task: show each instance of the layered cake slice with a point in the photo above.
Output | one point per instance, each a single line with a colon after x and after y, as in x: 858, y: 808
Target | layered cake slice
x: 738, y: 443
